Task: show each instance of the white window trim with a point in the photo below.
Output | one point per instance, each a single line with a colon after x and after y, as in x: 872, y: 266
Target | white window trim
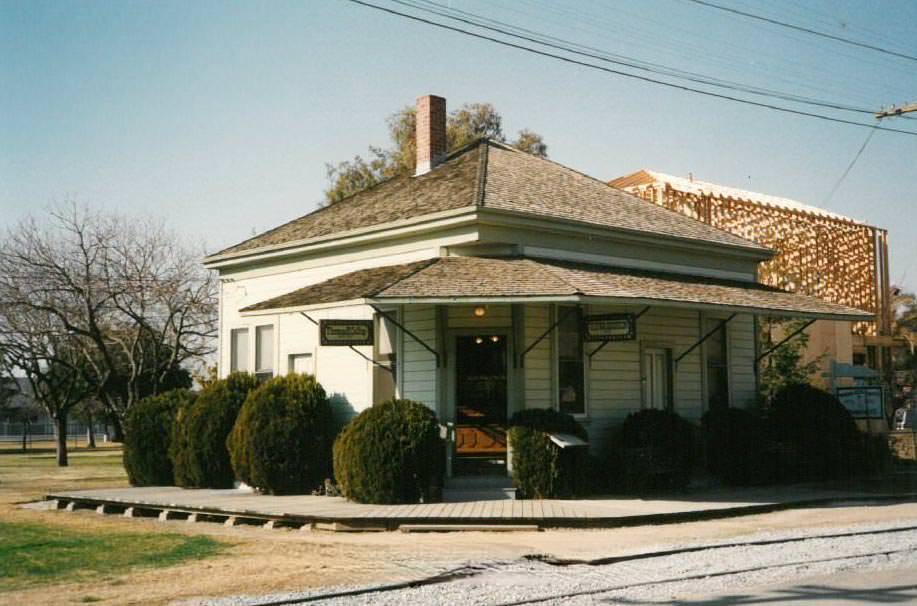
x: 730, y: 396
x: 249, y: 361
x: 555, y: 365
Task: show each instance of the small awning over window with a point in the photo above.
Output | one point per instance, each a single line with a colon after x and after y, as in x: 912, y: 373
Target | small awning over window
x: 516, y: 279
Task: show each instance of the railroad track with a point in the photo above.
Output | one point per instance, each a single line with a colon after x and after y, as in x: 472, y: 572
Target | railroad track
x: 473, y: 570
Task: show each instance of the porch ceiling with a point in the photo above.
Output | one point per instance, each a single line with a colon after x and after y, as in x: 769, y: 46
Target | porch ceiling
x: 518, y: 279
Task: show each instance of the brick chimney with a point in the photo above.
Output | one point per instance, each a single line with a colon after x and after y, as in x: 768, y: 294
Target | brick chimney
x: 431, y: 133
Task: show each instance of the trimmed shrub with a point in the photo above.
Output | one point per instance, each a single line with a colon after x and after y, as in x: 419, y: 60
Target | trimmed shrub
x: 148, y: 432
x: 653, y: 449
x: 198, y: 450
x: 819, y: 430
x: 391, y: 453
x: 281, y: 441
x: 542, y: 470
x: 738, y: 447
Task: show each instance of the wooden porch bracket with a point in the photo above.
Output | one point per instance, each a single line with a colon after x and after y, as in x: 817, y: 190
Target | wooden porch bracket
x: 604, y: 343
x: 719, y: 327
x: 352, y: 348
x: 417, y: 339
x: 784, y: 341
x: 545, y: 334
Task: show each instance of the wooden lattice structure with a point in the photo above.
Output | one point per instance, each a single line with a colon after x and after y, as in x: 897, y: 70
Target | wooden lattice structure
x: 818, y: 253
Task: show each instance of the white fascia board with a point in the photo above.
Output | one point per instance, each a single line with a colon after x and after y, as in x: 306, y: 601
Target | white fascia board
x: 744, y: 309
x: 381, y: 232
x: 298, y: 308
x: 629, y: 262
x: 510, y: 218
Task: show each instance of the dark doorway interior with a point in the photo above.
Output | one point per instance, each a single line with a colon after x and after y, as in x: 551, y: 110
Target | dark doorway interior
x: 480, y: 396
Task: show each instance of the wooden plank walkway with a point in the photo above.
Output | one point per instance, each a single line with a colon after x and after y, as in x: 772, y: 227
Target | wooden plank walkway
x: 593, y: 512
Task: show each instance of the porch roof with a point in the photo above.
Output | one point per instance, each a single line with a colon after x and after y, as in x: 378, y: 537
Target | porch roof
x: 519, y: 279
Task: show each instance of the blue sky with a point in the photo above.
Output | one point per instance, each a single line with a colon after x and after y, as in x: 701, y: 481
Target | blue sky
x: 220, y: 116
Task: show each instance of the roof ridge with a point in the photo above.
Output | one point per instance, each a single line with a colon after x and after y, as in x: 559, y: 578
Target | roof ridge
x: 483, y: 157
x: 550, y: 268
x: 421, y: 265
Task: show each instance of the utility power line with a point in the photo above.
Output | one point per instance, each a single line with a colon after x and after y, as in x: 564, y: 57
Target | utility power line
x: 655, y: 68
x: 850, y: 166
x: 806, y: 30
x: 616, y: 72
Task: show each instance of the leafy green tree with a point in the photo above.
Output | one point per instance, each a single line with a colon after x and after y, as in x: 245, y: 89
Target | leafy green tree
x: 464, y: 125
x: 904, y: 325
x: 785, y: 366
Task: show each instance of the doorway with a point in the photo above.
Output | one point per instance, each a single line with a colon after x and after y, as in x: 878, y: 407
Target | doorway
x: 480, y: 405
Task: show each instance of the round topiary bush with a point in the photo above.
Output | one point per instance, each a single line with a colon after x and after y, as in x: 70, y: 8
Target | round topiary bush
x: 281, y: 442
x: 653, y: 449
x: 738, y: 447
x: 148, y: 431
x: 391, y: 453
x: 819, y: 430
x: 198, y: 450
x: 542, y: 470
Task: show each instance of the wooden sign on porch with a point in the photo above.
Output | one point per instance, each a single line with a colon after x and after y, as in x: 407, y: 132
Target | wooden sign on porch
x: 610, y: 327
x: 345, y: 332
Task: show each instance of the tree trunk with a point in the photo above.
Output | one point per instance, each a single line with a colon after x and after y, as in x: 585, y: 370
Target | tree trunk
x: 60, y: 428
x: 92, y: 431
x: 117, y: 431
x: 25, y: 434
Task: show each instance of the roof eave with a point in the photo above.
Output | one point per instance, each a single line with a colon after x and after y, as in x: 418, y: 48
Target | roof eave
x: 248, y: 313
x: 579, y: 298
x: 756, y: 252
x: 375, y: 232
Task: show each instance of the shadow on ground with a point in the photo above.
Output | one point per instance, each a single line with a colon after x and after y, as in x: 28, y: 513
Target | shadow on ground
x: 803, y: 594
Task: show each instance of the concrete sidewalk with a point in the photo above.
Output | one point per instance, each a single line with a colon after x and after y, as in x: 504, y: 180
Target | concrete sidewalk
x: 245, y: 506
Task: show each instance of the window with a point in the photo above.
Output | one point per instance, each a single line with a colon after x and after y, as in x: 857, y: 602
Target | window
x: 717, y: 361
x: 384, y: 355
x: 300, y: 364
x: 238, y: 356
x: 657, y: 378
x: 570, y: 368
x: 264, y: 352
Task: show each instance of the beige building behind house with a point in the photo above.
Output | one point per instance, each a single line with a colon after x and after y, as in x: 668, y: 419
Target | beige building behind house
x: 818, y: 253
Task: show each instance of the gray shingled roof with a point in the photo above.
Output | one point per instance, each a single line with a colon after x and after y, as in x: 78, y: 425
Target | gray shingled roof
x: 492, y: 175
x: 470, y: 278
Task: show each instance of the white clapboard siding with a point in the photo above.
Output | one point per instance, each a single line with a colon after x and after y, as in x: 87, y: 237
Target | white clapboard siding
x: 538, y: 386
x: 614, y: 373
x: 495, y: 316
x: 419, y: 374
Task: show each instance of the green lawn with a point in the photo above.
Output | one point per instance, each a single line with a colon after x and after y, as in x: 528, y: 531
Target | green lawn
x: 34, y: 554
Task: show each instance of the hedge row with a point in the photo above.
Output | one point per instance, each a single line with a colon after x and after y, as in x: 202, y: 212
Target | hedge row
x: 278, y: 437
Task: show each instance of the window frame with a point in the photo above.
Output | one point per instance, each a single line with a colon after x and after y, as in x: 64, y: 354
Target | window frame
x: 261, y: 373
x: 233, y: 357
x: 558, y: 312
x: 707, y: 324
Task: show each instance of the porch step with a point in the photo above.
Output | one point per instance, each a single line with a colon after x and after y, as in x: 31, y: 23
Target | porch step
x: 478, y: 489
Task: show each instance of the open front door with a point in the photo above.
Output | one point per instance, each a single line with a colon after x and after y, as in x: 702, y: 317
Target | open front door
x: 480, y: 399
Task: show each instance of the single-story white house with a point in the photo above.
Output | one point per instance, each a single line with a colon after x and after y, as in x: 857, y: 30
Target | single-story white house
x: 493, y: 281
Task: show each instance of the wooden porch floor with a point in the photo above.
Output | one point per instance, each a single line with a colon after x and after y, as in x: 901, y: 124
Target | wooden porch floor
x: 304, y: 510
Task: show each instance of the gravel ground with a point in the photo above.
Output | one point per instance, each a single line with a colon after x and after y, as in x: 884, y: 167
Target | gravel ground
x: 656, y: 579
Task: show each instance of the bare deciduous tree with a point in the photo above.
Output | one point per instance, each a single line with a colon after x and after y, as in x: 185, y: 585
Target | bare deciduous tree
x: 46, y: 356
x: 132, y: 298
